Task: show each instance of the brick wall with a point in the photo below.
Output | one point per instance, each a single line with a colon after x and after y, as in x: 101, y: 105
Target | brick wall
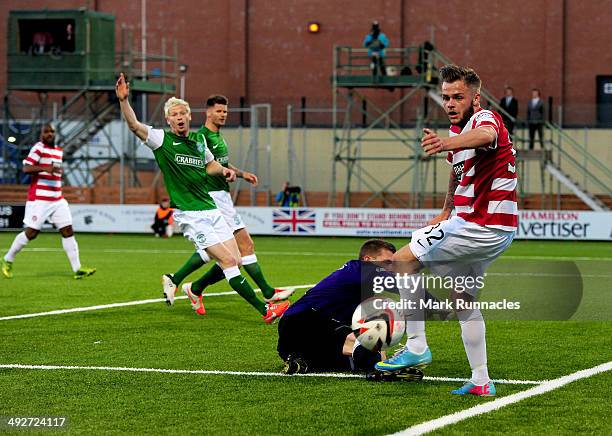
x: 260, y: 49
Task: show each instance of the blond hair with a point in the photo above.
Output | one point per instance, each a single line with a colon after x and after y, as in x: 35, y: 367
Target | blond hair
x: 173, y: 101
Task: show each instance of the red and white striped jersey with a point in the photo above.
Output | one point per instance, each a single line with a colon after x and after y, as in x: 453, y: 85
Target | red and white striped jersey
x: 45, y: 185
x: 486, y: 194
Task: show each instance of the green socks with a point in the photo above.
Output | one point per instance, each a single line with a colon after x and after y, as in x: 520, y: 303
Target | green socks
x: 250, y: 265
x: 212, y: 276
x: 194, y: 262
x: 254, y: 270
x: 240, y: 285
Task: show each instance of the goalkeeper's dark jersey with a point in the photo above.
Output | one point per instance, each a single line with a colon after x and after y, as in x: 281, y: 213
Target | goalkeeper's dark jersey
x: 338, y: 295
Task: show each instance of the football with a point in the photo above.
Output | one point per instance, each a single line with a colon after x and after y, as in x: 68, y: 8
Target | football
x: 377, y: 324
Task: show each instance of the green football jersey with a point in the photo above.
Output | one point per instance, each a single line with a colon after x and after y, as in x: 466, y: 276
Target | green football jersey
x: 183, y: 163
x: 218, y: 147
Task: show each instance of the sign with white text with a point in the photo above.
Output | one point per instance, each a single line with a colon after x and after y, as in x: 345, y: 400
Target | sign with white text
x: 321, y: 221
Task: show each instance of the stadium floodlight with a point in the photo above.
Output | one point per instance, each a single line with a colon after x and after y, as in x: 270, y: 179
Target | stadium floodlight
x: 314, y: 27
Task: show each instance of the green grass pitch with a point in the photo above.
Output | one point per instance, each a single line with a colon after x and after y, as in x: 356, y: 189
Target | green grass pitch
x: 232, y: 337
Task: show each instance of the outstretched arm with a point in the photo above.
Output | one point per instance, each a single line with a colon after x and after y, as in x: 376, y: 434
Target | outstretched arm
x: 481, y: 136
x: 122, y: 89
x: 214, y: 168
x: 249, y: 177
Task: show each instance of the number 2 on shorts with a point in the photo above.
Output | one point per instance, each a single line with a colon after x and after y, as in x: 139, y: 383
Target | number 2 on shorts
x: 436, y: 237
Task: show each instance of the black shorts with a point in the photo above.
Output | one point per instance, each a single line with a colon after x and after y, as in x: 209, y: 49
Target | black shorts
x: 314, y: 338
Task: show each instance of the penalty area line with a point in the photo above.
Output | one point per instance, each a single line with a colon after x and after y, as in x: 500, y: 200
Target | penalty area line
x: 128, y: 303
x: 239, y: 373
x: 480, y: 409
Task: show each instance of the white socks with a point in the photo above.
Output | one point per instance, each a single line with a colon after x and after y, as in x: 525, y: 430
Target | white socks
x: 21, y: 240
x: 473, y: 334
x: 70, y: 247
x: 415, y: 320
x: 231, y: 272
x: 416, y: 339
x: 249, y: 260
x: 72, y: 251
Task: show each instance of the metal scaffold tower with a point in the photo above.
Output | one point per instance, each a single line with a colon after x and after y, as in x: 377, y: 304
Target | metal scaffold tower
x: 372, y: 112
x: 68, y: 59
x: 380, y: 117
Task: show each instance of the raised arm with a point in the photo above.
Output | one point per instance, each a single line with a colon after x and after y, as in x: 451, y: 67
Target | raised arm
x: 122, y: 89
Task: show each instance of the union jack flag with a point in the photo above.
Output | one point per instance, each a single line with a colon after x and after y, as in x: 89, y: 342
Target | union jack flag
x: 294, y: 221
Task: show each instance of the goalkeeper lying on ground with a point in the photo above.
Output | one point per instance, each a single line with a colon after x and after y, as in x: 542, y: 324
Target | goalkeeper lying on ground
x: 315, y: 335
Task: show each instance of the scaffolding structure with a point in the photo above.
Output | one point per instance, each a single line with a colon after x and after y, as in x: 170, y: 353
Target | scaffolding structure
x: 406, y: 90
x: 78, y: 97
x: 258, y: 156
x: 409, y: 89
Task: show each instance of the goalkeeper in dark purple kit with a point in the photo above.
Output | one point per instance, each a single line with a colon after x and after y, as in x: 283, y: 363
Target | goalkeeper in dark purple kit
x: 315, y: 335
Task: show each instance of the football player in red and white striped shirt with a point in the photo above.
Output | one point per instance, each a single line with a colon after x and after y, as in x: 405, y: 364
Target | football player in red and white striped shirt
x: 46, y: 202
x: 482, y: 193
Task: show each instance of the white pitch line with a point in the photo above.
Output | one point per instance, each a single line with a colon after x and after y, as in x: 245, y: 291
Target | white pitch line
x: 589, y: 258
x: 175, y: 371
x: 543, y: 388
x: 500, y: 381
x: 295, y: 253
x: 150, y: 251
x: 242, y: 373
x: 127, y: 303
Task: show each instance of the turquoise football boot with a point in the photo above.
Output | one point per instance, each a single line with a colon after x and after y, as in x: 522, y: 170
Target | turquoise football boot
x: 405, y: 359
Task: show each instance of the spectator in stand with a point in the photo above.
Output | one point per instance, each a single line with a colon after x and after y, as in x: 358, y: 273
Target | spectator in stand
x: 376, y: 42
x: 41, y: 42
x: 509, y: 103
x: 535, y: 118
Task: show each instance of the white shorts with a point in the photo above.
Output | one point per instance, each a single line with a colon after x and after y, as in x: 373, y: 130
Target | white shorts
x: 224, y: 203
x: 204, y: 228
x: 457, y: 247
x: 56, y: 212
